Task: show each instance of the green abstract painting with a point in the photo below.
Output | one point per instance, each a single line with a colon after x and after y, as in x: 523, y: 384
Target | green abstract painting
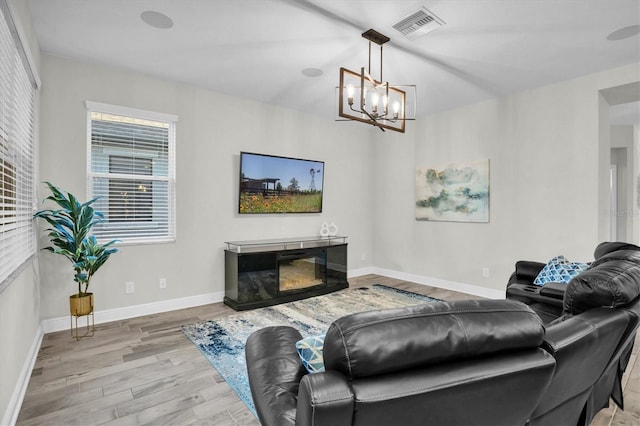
x: 456, y: 192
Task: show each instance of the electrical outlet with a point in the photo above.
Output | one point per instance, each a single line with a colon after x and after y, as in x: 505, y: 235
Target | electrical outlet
x: 485, y: 272
x: 163, y: 283
x: 129, y: 287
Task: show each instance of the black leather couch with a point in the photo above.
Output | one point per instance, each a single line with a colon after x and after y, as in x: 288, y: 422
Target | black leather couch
x: 613, y: 281
x: 469, y: 362
x: 481, y: 362
x: 548, y: 300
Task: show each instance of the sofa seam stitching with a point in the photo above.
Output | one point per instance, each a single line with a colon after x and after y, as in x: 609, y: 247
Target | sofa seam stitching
x: 428, y: 314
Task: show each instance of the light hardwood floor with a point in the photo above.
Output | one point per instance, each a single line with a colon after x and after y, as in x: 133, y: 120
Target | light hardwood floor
x: 146, y: 371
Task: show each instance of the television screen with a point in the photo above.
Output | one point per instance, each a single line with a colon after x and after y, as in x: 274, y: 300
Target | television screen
x: 272, y: 184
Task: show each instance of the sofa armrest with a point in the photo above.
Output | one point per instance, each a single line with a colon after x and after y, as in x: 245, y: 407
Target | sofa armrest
x: 528, y: 270
x: 531, y: 294
x: 275, y: 370
x: 325, y: 399
x: 582, y: 346
x: 554, y: 290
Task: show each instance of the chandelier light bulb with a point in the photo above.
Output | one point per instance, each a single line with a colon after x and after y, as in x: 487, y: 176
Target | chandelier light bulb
x: 375, y: 98
x: 396, y: 109
x: 350, y: 90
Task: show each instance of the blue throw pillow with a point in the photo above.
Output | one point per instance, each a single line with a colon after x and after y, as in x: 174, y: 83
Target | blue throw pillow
x: 310, y: 351
x: 559, y: 270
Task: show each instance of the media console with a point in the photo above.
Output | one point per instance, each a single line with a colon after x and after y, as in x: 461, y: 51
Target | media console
x: 267, y: 272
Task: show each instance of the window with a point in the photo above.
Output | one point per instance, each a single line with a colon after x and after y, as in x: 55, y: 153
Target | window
x: 7, y: 185
x: 130, y: 201
x: 132, y: 172
x: 18, y: 83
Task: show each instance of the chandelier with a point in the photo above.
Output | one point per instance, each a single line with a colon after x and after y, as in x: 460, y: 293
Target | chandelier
x: 373, y: 101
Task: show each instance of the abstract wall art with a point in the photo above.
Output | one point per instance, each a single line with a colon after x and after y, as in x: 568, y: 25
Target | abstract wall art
x: 456, y: 192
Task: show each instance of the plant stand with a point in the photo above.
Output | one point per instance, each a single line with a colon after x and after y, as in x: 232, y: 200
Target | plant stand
x: 82, y: 307
x: 90, y: 328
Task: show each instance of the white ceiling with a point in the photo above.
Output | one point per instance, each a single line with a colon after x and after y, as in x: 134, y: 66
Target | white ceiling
x: 257, y: 49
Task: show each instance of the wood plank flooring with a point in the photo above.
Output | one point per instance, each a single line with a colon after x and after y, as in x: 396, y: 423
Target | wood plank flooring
x: 146, y: 371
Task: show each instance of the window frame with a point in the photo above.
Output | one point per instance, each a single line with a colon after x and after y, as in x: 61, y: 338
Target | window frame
x: 119, y: 225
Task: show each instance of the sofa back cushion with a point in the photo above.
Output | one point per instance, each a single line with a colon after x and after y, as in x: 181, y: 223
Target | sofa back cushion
x: 611, y: 246
x: 378, y: 342
x: 612, y: 280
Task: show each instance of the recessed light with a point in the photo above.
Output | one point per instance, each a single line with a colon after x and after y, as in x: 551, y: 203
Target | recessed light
x: 312, y: 72
x: 156, y: 19
x: 625, y: 32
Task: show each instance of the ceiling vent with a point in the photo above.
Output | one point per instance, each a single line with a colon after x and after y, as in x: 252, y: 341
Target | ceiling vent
x: 419, y: 23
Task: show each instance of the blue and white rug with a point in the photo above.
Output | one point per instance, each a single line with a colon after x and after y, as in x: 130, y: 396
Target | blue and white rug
x: 222, y: 341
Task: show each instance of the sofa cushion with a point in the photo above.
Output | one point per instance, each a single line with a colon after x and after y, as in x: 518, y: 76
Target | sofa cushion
x: 310, y: 351
x: 559, y: 270
x: 611, y: 246
x: 377, y: 342
x: 613, y: 280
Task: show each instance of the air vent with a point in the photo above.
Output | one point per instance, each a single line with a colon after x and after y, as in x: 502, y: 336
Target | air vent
x: 419, y: 23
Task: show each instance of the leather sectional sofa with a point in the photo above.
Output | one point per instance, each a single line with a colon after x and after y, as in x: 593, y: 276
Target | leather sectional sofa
x: 481, y: 362
x: 548, y: 300
x: 613, y: 281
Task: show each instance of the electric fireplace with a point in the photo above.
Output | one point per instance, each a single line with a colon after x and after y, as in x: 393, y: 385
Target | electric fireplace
x: 268, y: 272
x: 299, y: 271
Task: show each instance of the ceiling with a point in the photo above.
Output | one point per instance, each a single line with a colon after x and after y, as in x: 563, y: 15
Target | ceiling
x: 258, y: 49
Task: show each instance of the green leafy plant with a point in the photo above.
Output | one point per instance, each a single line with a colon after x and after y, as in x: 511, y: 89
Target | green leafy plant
x: 69, y: 233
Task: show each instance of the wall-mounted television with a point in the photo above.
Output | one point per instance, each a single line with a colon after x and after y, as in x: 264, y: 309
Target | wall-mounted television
x: 273, y: 184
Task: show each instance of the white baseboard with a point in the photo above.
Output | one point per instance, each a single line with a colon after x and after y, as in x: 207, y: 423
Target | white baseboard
x: 117, y: 314
x: 63, y: 323
x: 360, y: 271
x: 434, y: 282
x: 10, y: 416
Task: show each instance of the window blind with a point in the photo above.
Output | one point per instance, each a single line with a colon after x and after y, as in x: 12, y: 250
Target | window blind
x: 132, y: 172
x: 17, y: 98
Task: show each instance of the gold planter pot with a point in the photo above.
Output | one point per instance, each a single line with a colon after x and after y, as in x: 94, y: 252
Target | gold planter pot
x: 81, y: 306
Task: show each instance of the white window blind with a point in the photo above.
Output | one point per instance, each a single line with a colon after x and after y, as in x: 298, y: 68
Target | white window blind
x: 132, y: 172
x: 17, y: 97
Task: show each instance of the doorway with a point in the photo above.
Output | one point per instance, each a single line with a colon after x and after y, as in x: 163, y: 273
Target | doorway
x: 621, y: 112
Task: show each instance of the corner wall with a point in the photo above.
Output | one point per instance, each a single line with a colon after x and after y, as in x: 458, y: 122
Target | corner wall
x: 544, y: 151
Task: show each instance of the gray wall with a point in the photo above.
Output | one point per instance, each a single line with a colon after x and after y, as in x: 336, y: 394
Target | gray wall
x: 211, y: 131
x: 544, y: 148
x: 543, y: 144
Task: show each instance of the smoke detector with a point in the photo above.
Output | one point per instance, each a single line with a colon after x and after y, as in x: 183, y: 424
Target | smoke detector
x: 419, y: 23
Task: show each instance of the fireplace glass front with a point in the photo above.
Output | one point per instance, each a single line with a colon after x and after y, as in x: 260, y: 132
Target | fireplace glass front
x: 301, y: 270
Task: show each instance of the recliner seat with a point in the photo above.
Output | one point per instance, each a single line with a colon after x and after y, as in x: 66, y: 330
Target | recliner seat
x: 416, y: 365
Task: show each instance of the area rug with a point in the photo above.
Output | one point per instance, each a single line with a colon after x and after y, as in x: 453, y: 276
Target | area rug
x: 222, y: 341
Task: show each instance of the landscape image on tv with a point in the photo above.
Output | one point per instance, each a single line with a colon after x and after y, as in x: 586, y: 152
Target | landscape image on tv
x: 272, y: 184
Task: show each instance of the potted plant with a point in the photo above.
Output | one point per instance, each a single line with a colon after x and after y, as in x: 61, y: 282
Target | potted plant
x: 69, y: 233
